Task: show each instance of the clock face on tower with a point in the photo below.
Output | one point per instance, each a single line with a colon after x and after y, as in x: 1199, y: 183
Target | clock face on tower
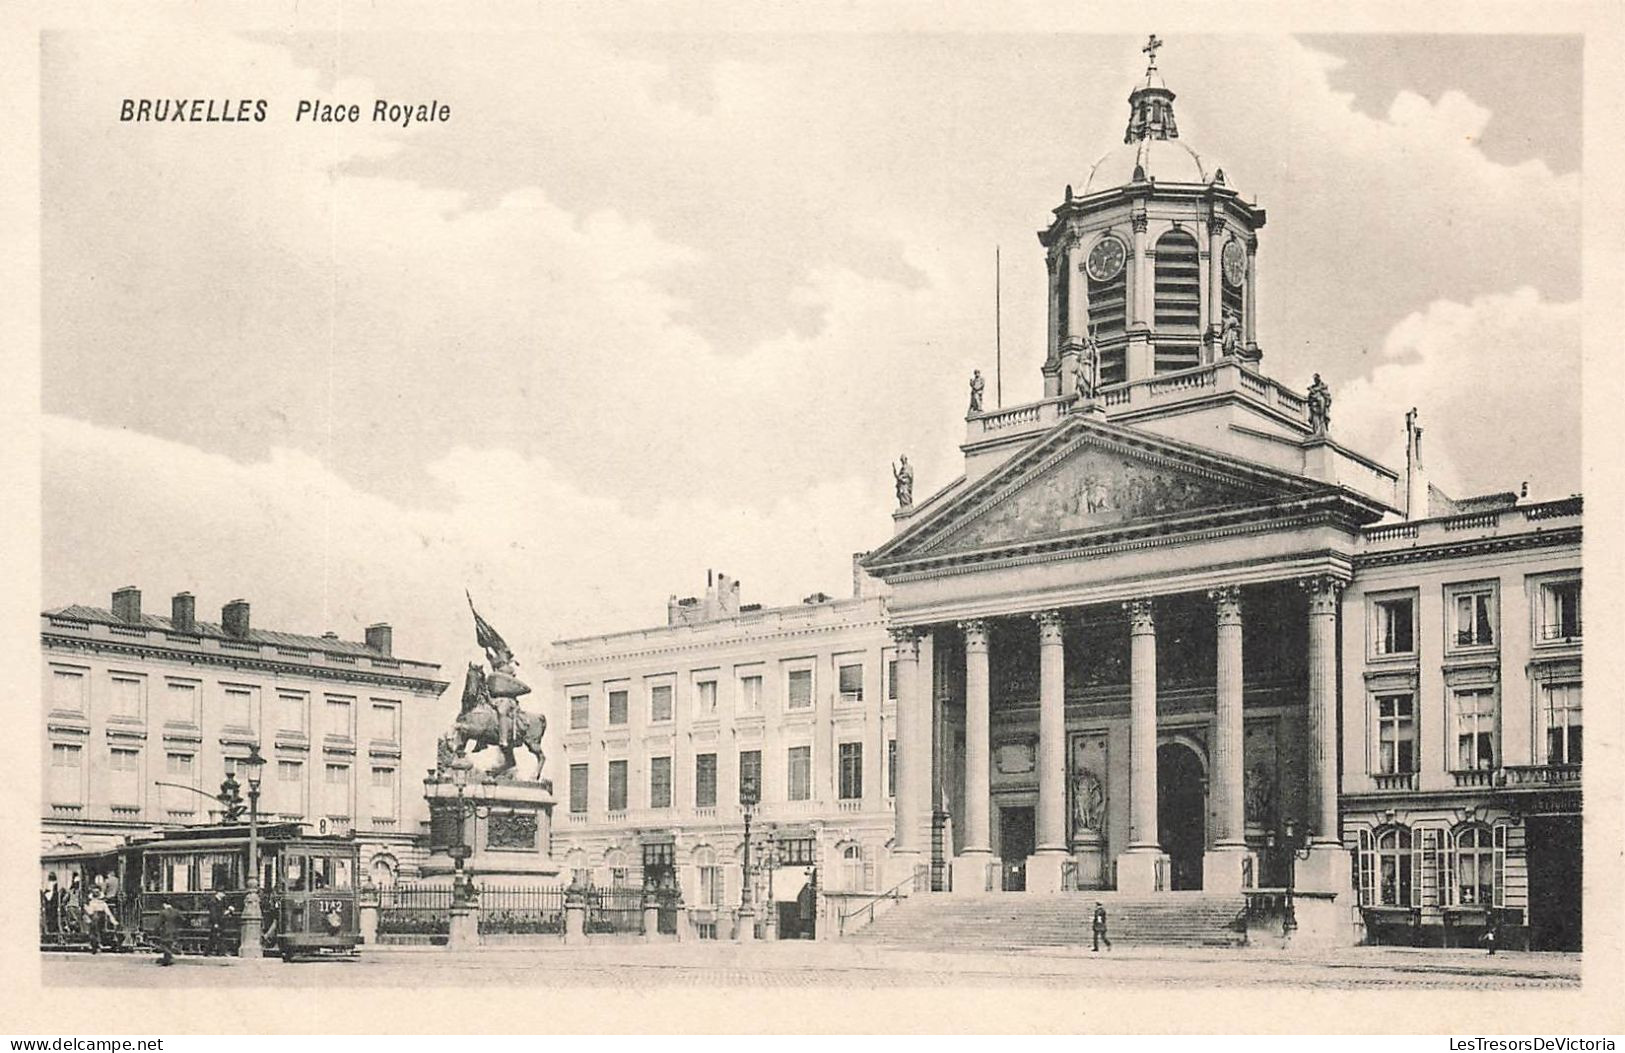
x: 1106, y: 259
x: 1235, y: 263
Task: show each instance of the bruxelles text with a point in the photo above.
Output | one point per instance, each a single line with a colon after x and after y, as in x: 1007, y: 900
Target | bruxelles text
x: 308, y: 111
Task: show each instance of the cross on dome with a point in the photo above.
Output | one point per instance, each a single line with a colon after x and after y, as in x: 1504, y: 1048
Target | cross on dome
x: 1150, y: 49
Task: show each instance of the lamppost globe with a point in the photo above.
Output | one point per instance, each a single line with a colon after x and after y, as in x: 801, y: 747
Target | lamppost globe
x: 253, y: 921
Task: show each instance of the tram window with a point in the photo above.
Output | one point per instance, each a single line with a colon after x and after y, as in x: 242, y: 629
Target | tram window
x: 296, y: 873
x: 341, y: 874
x: 152, y: 879
x: 268, y: 874
x: 217, y: 871
x: 177, y: 874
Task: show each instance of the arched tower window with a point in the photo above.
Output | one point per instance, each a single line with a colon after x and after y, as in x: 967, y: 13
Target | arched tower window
x: 1178, y: 308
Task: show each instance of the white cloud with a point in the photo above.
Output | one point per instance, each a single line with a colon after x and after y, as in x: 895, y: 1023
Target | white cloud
x: 1496, y: 383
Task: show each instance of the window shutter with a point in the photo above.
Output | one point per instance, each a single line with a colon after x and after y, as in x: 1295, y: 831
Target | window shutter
x: 1500, y: 865
x: 1416, y: 872
x: 1429, y: 874
x: 1368, y: 870
x: 1449, y: 897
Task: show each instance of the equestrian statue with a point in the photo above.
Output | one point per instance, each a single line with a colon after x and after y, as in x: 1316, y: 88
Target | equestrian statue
x: 491, y: 714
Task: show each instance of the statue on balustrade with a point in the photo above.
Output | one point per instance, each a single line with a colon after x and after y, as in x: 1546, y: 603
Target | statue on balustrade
x: 977, y: 386
x: 1230, y: 335
x: 1320, y: 406
x: 1089, y: 368
x: 491, y: 714
x: 903, y: 476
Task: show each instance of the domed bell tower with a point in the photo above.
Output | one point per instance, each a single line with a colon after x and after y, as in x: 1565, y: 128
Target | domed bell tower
x: 1152, y: 268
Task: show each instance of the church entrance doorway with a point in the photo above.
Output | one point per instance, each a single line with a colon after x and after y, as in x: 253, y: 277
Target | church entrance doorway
x: 1181, y: 813
x: 1018, y: 836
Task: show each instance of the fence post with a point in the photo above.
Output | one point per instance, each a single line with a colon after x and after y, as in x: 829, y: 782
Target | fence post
x: 465, y: 918
x: 651, y: 920
x: 367, y: 911
x: 575, y: 915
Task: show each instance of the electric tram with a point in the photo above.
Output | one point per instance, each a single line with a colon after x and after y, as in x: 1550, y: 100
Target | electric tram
x: 307, y: 888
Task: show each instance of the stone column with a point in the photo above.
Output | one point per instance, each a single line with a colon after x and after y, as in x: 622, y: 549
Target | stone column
x: 1228, y: 866
x: 1044, y: 868
x: 1140, y: 359
x: 1143, y: 867
x: 1327, y: 867
x: 970, y: 866
x: 1249, y: 332
x: 1213, y: 303
x: 906, y: 832
x: 1077, y: 297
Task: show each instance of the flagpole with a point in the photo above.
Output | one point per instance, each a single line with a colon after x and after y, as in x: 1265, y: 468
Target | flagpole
x: 998, y: 334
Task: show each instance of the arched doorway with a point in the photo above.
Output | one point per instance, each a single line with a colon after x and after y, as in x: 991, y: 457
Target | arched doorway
x: 1181, y: 813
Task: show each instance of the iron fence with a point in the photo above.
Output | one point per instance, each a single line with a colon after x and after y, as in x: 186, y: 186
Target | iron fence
x: 412, y: 911
x: 614, y: 910
x: 521, y: 910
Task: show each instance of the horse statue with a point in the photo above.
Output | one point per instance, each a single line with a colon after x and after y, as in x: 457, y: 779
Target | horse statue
x: 481, y: 722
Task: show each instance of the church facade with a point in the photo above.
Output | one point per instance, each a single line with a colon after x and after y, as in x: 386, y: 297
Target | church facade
x: 1166, y: 632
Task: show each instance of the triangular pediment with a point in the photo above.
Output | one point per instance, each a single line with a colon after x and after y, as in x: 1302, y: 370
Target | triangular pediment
x: 1087, y: 477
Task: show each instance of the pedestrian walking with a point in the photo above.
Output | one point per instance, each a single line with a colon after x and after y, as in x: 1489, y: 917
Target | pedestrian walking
x: 220, y: 913
x: 97, y: 915
x: 1098, y: 924
x: 1490, y: 936
x: 167, y: 933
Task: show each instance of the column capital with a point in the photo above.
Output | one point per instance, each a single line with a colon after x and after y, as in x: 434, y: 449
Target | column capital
x: 975, y: 630
x: 907, y: 641
x: 1215, y: 226
x: 1323, y: 590
x: 1227, y: 603
x: 1140, y: 222
x: 1142, y: 615
x: 1050, y: 624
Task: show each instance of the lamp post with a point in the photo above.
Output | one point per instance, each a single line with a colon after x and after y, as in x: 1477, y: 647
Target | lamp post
x: 462, y: 849
x: 249, y: 944
x: 749, y: 796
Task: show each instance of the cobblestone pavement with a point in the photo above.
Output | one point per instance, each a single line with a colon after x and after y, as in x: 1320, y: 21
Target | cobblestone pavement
x: 838, y: 966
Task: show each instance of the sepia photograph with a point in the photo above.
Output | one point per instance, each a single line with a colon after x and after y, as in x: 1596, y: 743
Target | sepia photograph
x: 628, y: 508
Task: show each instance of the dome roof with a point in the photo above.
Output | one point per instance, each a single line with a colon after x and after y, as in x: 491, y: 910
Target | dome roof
x: 1164, y: 160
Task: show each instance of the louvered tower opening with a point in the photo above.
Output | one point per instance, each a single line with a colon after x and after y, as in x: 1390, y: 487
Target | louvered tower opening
x: 1108, y: 317
x: 1178, y: 308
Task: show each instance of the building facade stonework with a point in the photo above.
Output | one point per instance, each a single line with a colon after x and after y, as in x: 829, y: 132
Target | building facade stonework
x: 145, y: 716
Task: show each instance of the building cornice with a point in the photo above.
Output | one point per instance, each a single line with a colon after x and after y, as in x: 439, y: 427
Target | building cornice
x: 98, y: 645
x: 1468, y: 547
x: 607, y: 650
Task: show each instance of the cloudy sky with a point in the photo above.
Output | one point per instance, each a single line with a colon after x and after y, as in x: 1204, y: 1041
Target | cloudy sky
x: 651, y: 304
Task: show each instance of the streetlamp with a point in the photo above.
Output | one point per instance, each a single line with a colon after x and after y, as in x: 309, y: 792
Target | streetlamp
x: 749, y: 797
x: 462, y: 849
x: 249, y: 944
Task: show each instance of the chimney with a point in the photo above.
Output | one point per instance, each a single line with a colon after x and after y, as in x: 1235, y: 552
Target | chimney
x: 857, y: 574
x: 1416, y: 479
x: 127, y: 604
x: 234, y: 618
x: 674, y: 612
x: 727, y: 596
x: 183, y: 612
x: 380, y: 637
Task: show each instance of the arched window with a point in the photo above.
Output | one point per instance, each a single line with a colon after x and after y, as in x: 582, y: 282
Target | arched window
x: 383, y: 872
x: 620, y: 876
x: 1475, y: 865
x: 710, y: 875
x: 1387, y: 868
x: 1178, y: 304
x: 852, y: 868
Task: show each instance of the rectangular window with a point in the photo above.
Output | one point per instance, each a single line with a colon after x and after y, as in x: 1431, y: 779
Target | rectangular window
x: 1394, y: 628
x: 799, y: 688
x: 67, y: 690
x: 1396, y: 734
x: 1474, y: 624
x: 386, y: 725
x: 617, y: 785
x: 180, y: 703
x: 383, y: 793
x: 891, y: 680
x: 1560, y: 611
x: 851, y: 771
x: 67, y: 765
x: 659, y: 703
x: 750, y: 694
x: 710, y: 887
x: 750, y: 775
x: 1561, y: 703
x: 580, y: 711
x: 850, y: 679
x: 124, y: 782
x: 798, y: 773
x: 617, y: 707
x: 1475, y: 730
x: 237, y: 708
x: 180, y: 768
x: 705, y: 698
x: 338, y: 717
x: 290, y: 787
x: 336, y: 800
x: 579, y: 776
x: 705, y: 780
x: 126, y: 700
x: 659, y: 782
x: 291, y: 712
x: 891, y: 767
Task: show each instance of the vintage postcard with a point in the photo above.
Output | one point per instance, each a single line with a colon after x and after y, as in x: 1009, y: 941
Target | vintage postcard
x: 907, y: 526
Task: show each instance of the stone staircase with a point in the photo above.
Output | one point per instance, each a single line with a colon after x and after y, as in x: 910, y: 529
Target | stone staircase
x: 1022, y: 919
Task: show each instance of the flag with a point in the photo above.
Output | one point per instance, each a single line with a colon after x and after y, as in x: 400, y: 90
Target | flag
x: 487, y: 637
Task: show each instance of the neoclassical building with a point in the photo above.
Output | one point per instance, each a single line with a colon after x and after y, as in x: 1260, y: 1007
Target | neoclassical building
x: 1167, y: 632
x: 144, y: 715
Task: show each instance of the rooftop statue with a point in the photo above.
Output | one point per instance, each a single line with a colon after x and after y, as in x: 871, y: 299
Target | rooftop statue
x: 1320, y: 406
x: 1230, y: 336
x: 977, y: 386
x: 491, y: 714
x: 903, y: 475
x: 1089, y: 368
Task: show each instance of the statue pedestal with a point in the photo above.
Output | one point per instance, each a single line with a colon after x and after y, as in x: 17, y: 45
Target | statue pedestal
x: 506, y: 826
x: 1089, y: 855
